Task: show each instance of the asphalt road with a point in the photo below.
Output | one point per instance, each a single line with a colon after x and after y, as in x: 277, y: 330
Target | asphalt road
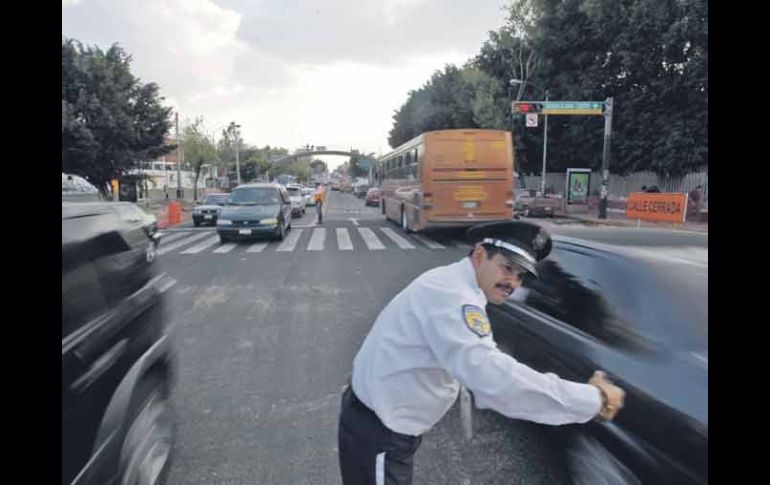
x: 265, y: 334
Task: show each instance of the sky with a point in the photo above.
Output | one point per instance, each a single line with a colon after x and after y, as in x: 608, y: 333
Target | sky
x: 290, y: 72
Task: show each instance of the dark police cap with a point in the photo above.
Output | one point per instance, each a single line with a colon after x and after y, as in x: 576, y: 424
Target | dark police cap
x: 524, y: 243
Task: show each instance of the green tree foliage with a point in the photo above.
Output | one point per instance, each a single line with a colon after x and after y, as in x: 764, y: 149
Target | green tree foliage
x: 198, y: 149
x: 651, y: 56
x: 110, y: 120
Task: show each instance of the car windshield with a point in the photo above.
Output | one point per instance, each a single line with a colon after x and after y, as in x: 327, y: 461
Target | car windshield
x: 294, y: 190
x: 255, y: 196
x: 216, y: 199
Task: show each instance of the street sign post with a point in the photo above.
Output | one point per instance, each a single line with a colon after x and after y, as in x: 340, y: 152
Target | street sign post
x: 575, y: 108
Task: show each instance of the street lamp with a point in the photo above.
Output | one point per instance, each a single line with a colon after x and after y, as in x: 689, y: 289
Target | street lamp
x: 545, y: 130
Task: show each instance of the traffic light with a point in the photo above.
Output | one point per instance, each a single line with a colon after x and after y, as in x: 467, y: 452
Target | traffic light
x: 527, y: 107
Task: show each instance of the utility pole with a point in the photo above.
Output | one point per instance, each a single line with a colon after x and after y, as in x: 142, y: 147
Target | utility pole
x: 178, y: 159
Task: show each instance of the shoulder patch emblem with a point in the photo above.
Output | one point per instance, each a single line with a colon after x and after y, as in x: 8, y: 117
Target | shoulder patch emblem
x: 476, y: 320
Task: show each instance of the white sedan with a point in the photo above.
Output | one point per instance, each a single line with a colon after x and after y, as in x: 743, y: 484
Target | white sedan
x: 297, y: 200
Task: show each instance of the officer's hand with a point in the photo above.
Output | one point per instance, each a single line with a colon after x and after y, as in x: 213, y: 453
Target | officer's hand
x: 613, y: 395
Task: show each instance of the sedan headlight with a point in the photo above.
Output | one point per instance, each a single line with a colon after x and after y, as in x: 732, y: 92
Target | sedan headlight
x: 272, y: 221
x: 224, y: 222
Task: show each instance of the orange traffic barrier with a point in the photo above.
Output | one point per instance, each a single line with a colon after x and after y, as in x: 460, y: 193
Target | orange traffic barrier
x: 662, y: 207
x: 174, y: 213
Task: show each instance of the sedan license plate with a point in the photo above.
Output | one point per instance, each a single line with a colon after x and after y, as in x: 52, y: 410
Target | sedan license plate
x: 245, y: 232
x: 207, y: 217
x: 470, y: 205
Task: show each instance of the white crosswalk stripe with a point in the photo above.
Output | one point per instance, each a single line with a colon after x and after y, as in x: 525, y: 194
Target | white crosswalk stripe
x: 178, y: 244
x: 201, y: 246
x: 225, y: 248
x: 370, y: 238
x: 290, y: 241
x: 399, y: 240
x: 194, y: 242
x: 431, y: 244
x: 317, y: 240
x: 168, y: 237
x: 257, y: 248
x: 343, y: 239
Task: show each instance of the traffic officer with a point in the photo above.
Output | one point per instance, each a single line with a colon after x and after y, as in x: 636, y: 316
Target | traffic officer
x: 435, y: 336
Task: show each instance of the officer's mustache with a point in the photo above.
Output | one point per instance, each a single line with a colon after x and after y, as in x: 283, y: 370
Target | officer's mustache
x: 505, y: 287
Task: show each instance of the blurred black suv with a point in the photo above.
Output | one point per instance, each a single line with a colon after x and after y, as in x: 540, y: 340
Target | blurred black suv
x: 117, y: 371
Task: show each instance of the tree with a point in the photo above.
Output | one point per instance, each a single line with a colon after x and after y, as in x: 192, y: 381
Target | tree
x: 110, y: 120
x: 198, y: 149
x: 318, y: 166
x: 650, y: 55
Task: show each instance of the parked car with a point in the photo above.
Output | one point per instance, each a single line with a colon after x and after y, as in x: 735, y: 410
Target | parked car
x: 208, y: 211
x: 259, y: 209
x: 75, y: 188
x: 142, y: 224
x: 373, y: 196
x: 117, y: 367
x: 297, y: 200
x: 529, y: 204
x: 641, y: 315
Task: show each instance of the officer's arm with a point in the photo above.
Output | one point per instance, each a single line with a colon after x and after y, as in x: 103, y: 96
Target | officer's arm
x: 497, y: 380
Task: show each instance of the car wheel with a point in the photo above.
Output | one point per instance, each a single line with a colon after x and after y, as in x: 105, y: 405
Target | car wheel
x: 223, y: 239
x: 404, y: 221
x: 151, y: 251
x: 196, y: 223
x: 146, y: 451
x: 282, y: 232
x: 589, y: 463
x: 382, y: 206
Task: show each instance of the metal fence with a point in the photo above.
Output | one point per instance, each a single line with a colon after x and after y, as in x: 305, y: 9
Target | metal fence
x: 621, y: 186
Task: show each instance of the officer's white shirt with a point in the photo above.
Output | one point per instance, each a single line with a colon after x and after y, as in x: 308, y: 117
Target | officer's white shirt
x: 410, y: 366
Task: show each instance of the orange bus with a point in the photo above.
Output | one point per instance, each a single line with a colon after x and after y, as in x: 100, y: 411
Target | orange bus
x: 448, y: 178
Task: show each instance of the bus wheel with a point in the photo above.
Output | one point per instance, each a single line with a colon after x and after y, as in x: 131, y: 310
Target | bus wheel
x: 382, y: 206
x: 404, y: 221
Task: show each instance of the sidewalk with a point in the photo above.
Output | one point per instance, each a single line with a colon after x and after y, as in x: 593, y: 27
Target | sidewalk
x: 617, y: 217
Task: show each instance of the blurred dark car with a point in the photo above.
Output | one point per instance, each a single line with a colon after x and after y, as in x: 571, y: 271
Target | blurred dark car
x: 117, y: 370
x: 255, y: 210
x: 640, y: 314
x: 529, y: 204
x: 141, y: 223
x: 208, y: 211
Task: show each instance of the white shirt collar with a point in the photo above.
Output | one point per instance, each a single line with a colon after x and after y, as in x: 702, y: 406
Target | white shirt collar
x: 469, y: 274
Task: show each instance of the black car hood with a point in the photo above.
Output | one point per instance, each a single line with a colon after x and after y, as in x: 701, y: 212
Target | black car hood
x: 249, y: 211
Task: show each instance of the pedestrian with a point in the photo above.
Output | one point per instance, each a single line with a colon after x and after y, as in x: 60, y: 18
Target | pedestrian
x: 434, y: 335
x: 696, y: 197
x: 319, y: 197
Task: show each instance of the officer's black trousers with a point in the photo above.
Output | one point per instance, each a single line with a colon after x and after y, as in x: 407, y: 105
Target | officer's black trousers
x: 370, y: 453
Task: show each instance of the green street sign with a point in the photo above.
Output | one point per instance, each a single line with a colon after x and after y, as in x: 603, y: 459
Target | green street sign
x: 572, y: 107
